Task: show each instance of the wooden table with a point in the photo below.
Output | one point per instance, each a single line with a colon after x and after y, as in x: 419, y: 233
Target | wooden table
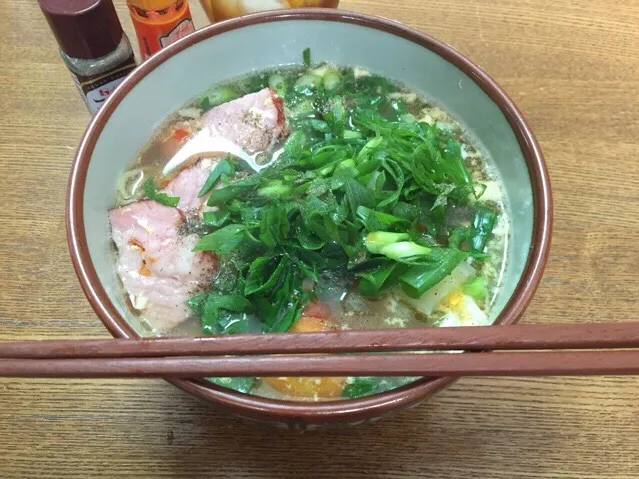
x: 573, y: 70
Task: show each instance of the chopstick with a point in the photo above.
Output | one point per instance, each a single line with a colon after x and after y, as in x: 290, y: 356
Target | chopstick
x: 546, y: 363
x: 281, y: 354
x: 471, y: 338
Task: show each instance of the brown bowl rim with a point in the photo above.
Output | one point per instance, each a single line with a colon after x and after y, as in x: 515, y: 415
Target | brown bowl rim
x: 313, y: 412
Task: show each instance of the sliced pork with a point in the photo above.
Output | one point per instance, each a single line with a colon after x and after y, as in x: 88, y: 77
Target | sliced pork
x: 188, y: 184
x: 156, y: 263
x: 157, y: 266
x: 252, y: 123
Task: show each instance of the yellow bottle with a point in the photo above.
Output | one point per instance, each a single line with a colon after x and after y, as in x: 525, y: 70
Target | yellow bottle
x: 218, y: 10
x: 158, y: 23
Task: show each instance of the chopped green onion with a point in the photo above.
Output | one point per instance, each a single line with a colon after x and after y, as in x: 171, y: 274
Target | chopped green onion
x: 378, y: 240
x: 331, y: 79
x: 274, y: 189
x: 219, y: 95
x: 361, y: 188
x: 306, y: 55
x: 350, y: 134
x: 302, y: 110
x: 309, y: 81
x: 276, y: 81
x: 346, y: 168
x: 484, y: 223
x: 476, y: 288
x: 404, y: 249
x: 419, y: 278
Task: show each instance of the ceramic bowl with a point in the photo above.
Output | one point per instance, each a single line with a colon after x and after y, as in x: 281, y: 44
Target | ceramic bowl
x: 228, y: 49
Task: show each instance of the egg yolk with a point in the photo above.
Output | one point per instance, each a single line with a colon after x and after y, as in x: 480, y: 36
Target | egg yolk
x: 454, y: 301
x: 310, y: 387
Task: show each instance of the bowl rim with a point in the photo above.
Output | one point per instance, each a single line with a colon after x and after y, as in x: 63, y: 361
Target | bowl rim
x: 331, y: 411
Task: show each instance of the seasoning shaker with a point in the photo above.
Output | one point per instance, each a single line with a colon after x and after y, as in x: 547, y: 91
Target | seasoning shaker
x: 93, y: 46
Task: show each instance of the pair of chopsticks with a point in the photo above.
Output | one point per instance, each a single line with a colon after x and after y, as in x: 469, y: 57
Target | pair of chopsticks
x: 559, y: 349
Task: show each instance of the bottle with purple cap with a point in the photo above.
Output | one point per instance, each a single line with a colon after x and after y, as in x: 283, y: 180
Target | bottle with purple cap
x: 93, y: 45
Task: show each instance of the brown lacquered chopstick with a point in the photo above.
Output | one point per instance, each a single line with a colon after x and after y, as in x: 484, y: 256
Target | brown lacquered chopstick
x: 480, y: 338
x: 286, y: 354
x: 546, y: 363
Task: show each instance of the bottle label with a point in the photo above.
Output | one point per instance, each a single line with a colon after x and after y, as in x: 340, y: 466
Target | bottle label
x: 96, y: 89
x: 181, y: 30
x: 155, y: 35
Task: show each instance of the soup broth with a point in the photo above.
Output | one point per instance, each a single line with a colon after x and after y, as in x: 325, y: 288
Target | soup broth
x: 372, y: 208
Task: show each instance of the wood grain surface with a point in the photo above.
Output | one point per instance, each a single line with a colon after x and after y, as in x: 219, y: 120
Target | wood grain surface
x: 572, y: 67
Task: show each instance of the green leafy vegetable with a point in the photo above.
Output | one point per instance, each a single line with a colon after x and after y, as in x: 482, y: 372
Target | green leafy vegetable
x: 360, y: 386
x: 362, y: 190
x: 224, y: 167
x: 380, y: 278
x: 196, y: 303
x: 262, y: 276
x: 215, y: 317
x: 419, y: 278
x: 222, y: 241
x: 223, y: 195
x: 357, y: 195
x: 484, y: 223
x: 217, y: 96
x: 376, y: 220
x: 216, y: 218
x: 239, y: 384
x: 151, y: 192
x: 365, y: 386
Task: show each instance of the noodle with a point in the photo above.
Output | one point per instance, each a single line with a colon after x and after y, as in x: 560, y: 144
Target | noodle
x: 129, y: 184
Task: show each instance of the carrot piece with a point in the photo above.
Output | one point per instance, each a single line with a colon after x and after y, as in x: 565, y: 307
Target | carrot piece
x: 180, y: 134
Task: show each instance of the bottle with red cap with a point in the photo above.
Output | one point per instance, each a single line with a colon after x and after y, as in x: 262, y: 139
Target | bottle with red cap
x: 93, y: 45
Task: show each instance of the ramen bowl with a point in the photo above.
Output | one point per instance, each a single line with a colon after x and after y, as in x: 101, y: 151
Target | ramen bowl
x: 228, y: 49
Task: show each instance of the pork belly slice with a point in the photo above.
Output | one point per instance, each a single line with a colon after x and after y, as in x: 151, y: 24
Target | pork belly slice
x: 188, y: 184
x: 253, y: 123
x: 156, y: 264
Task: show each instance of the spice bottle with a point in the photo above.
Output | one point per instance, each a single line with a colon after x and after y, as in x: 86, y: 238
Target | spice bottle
x: 158, y: 23
x: 93, y: 45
